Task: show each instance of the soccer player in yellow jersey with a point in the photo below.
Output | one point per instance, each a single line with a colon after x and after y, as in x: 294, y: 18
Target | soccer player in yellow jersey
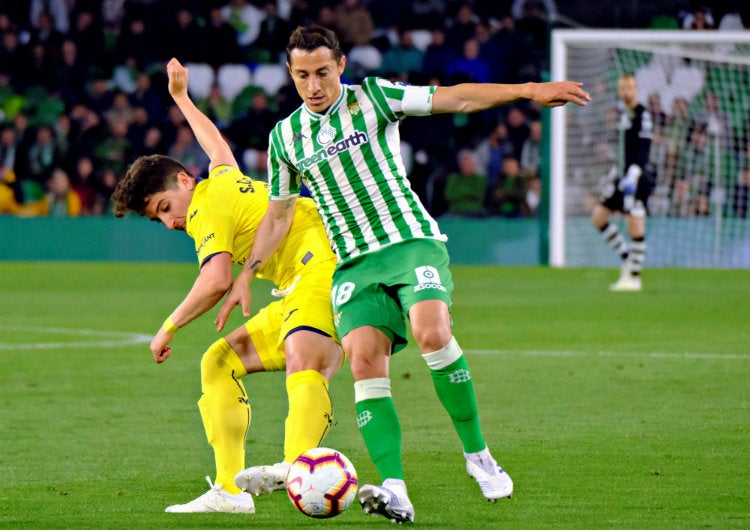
x: 295, y: 333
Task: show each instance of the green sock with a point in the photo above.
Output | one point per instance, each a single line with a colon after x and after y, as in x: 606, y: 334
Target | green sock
x: 381, y: 430
x: 456, y: 392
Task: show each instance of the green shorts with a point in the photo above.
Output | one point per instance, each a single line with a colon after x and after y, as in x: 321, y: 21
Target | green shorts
x: 378, y: 289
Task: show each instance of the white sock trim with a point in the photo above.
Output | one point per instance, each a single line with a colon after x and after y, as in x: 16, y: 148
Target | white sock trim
x: 378, y: 387
x: 446, y: 356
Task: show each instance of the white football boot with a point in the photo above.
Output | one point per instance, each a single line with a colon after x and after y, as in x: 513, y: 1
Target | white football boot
x: 389, y: 500
x: 260, y: 480
x: 216, y: 500
x: 494, y: 482
x: 627, y: 283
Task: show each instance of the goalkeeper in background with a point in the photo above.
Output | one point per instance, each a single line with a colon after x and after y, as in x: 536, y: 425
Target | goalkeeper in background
x: 296, y: 332
x: 628, y: 187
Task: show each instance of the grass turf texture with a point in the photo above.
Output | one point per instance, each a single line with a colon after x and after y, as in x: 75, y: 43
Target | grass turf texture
x: 608, y: 409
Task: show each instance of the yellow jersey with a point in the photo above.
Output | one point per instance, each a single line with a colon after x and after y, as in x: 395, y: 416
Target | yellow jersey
x: 225, y: 213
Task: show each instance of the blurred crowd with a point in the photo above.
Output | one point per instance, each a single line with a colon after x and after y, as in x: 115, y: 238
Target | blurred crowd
x: 83, y: 91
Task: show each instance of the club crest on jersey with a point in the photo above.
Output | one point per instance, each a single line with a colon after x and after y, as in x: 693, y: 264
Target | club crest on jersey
x: 428, y: 278
x: 326, y: 135
x: 354, y: 109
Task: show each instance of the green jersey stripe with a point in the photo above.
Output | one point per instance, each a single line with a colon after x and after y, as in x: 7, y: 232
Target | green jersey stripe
x: 378, y: 98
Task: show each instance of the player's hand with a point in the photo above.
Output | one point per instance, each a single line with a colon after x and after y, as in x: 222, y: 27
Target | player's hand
x: 159, y: 346
x: 239, y: 294
x: 178, y: 78
x: 559, y: 93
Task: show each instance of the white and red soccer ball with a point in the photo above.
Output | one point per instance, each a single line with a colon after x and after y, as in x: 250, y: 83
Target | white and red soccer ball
x: 321, y: 483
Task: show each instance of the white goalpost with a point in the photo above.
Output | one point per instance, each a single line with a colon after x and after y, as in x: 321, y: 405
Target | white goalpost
x: 697, y: 86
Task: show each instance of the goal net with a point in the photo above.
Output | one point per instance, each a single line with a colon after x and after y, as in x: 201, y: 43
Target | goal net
x: 696, y: 84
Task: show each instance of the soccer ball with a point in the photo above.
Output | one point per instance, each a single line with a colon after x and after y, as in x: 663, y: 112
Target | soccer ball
x: 321, y: 483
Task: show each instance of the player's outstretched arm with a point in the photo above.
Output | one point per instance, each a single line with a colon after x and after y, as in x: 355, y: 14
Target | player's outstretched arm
x: 214, y: 280
x: 272, y: 231
x: 208, y: 135
x: 475, y: 97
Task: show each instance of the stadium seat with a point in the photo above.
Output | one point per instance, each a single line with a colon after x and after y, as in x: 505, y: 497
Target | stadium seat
x: 364, y: 58
x: 201, y: 78
x: 232, y: 78
x: 421, y: 38
x: 270, y: 77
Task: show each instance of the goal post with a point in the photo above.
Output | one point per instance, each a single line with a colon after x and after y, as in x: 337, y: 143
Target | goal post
x: 697, y: 86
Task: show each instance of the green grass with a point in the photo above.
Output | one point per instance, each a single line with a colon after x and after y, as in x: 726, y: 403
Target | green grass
x: 609, y: 410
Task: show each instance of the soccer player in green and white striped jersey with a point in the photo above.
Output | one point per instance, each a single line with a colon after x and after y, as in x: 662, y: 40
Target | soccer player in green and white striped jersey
x: 343, y: 142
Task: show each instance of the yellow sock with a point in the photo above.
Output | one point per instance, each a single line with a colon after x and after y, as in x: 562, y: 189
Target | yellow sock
x: 310, y: 412
x: 225, y: 410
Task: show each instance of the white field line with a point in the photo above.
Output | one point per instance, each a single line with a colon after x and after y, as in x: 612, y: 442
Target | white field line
x: 112, y: 339
x: 565, y: 353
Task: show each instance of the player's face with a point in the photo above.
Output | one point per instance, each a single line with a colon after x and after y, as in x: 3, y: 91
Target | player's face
x: 316, y: 77
x: 627, y: 90
x: 170, y: 207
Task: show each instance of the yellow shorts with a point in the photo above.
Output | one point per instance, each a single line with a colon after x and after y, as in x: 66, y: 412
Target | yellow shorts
x: 308, y: 306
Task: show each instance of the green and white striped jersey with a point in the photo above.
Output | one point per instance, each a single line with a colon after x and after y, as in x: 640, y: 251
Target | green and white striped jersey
x: 350, y: 159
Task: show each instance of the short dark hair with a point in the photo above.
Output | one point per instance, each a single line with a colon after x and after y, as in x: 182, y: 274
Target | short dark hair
x: 146, y: 176
x: 309, y: 38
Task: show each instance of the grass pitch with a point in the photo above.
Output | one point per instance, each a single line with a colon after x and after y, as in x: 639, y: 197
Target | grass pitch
x: 607, y: 409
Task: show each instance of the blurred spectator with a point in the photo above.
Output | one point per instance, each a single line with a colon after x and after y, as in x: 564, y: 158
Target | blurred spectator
x: 402, y: 60
x: 184, y: 38
x: 187, y: 150
x: 717, y: 122
x: 699, y: 17
x: 437, y: 56
x: 89, y: 130
x: 137, y: 44
x: 146, y: 96
x: 99, y: 94
x: 274, y: 33
x: 250, y: 131
x: 513, y: 48
x: 39, y: 70
x: 139, y: 125
x: 245, y: 18
x: 115, y: 151
x: 508, y: 197
x: 174, y: 120
x: 469, y: 66
x: 741, y: 194
x: 120, y: 110
x: 89, y: 39
x: 61, y: 200
x: 461, y: 28
x: 326, y: 18
x: 354, y: 23
x: 654, y: 107
x: 531, y: 150
x: 216, y: 107
x: 13, y: 59
x: 44, y: 33
x: 107, y: 185
x: 43, y: 158
x: 533, y: 195
x: 84, y: 183
x: 732, y: 20
x: 301, y: 13
x: 533, y: 26
x: 492, y: 151
x: 221, y: 44
x: 11, y: 195
x: 518, y: 129
x: 465, y: 189
x: 70, y: 73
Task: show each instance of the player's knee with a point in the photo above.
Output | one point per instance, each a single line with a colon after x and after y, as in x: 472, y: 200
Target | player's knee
x: 432, y: 338
x: 213, y: 362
